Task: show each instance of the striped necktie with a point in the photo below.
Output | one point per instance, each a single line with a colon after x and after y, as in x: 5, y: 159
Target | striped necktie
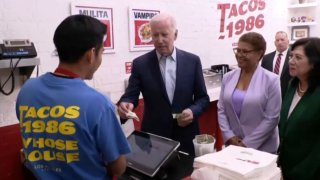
x: 277, y: 66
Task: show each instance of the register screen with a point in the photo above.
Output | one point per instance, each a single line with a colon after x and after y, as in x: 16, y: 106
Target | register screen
x: 149, y: 152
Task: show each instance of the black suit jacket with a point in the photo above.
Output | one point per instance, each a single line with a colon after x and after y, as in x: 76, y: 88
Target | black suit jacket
x: 267, y: 63
x: 190, y: 92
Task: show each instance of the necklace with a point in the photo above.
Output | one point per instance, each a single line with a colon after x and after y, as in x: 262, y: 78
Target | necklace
x: 300, y: 90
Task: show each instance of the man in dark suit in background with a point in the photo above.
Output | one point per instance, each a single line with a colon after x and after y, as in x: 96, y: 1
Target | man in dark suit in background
x: 277, y: 61
x: 172, y: 85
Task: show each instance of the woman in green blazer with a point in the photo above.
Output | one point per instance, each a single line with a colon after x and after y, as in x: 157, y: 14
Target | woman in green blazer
x: 299, y: 151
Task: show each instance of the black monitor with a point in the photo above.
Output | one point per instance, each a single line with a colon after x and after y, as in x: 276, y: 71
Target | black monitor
x: 149, y: 152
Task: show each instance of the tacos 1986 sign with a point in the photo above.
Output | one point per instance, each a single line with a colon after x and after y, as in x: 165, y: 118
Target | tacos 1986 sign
x: 242, y: 16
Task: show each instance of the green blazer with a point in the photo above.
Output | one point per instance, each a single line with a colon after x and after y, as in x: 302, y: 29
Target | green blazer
x: 299, y: 149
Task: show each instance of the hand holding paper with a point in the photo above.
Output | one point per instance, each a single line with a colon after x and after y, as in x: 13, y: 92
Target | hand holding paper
x: 185, y: 118
x: 132, y: 115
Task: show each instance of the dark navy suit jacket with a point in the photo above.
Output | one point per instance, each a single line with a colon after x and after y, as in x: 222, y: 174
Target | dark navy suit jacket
x: 190, y: 92
x: 267, y: 63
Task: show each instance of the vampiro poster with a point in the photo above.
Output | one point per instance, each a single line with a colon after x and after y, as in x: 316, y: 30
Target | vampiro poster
x: 140, y: 30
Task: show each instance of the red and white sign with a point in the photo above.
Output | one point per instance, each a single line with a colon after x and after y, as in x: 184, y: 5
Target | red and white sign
x: 128, y: 66
x: 240, y: 17
x: 140, y: 30
x: 104, y: 14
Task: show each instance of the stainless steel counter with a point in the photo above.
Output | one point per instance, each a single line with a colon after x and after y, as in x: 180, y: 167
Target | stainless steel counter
x: 213, y: 83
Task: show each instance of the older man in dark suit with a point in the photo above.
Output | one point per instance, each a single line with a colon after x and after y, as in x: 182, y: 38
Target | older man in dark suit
x: 172, y: 86
x: 277, y: 61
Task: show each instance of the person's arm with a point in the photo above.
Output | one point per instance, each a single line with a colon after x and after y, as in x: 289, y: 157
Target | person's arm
x: 185, y: 118
x: 124, y: 108
x: 110, y: 140
x: 309, y: 167
x: 201, y: 98
x: 129, y: 100
x: 222, y: 115
x: 117, y: 167
x: 132, y: 92
x: 235, y: 140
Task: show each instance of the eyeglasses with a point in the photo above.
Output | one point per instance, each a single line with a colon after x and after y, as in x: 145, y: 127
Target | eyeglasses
x: 296, y: 57
x: 244, y: 52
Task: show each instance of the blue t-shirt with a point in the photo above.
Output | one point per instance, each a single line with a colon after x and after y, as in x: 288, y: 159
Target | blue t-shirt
x: 69, y: 130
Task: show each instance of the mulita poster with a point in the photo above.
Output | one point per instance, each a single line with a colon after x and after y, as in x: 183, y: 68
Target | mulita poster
x: 140, y: 30
x: 104, y: 14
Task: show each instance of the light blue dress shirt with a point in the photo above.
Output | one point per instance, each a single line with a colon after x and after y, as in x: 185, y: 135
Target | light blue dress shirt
x: 168, y: 67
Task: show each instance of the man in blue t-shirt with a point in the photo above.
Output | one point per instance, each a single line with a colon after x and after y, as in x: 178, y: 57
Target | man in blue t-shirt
x: 69, y: 130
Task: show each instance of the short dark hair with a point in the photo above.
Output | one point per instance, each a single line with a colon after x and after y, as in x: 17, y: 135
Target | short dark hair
x: 311, y: 47
x: 75, y: 35
x: 256, y: 40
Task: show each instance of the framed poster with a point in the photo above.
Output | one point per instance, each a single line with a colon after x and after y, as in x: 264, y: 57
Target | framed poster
x: 139, y: 29
x: 299, y: 32
x: 104, y: 14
